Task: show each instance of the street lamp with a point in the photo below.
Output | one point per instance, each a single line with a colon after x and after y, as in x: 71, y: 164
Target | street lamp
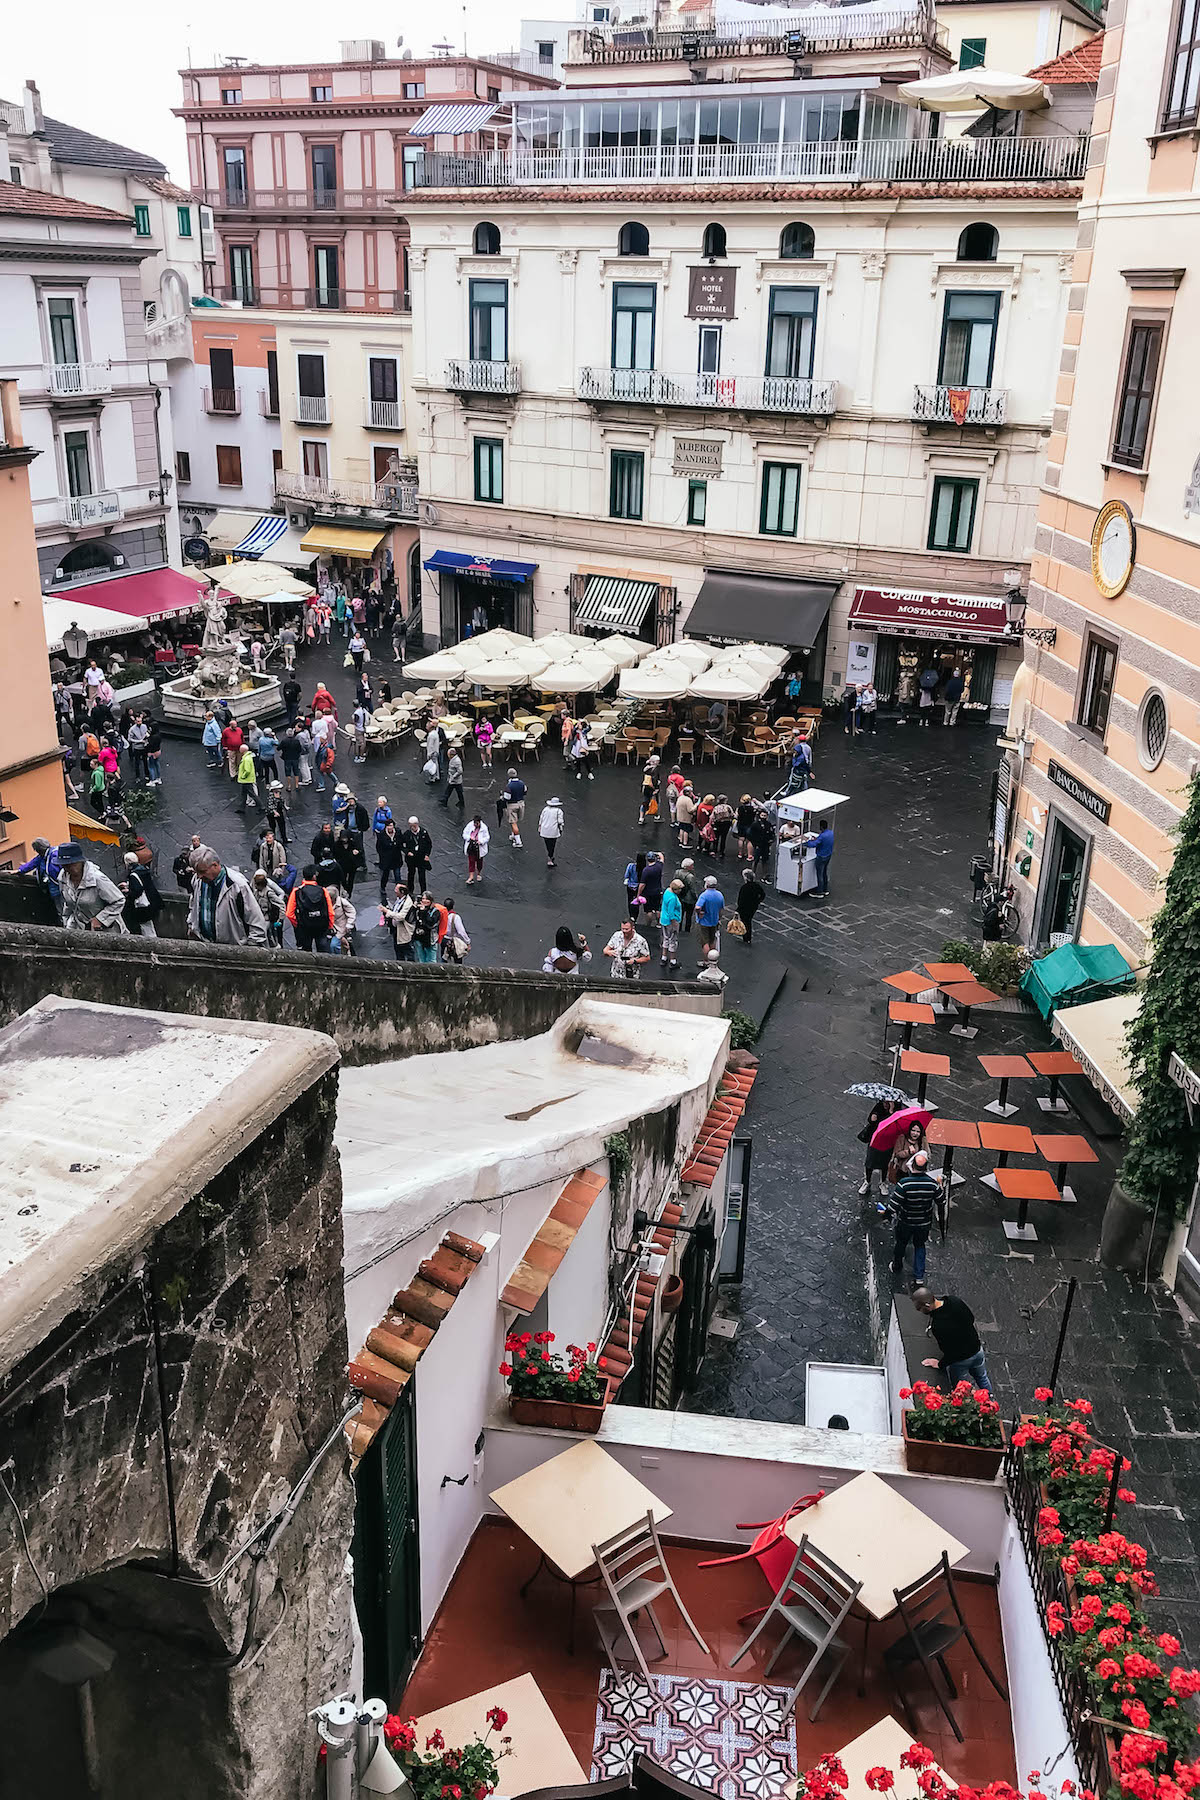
x: 75, y: 642
x: 1015, y: 603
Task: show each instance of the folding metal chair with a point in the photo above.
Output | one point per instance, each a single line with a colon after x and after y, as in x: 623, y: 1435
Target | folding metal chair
x: 634, y: 1570
x: 813, y: 1602
x: 933, y: 1621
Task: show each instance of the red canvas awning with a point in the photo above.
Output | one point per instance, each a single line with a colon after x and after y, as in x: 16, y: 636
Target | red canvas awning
x: 152, y: 594
x: 916, y: 612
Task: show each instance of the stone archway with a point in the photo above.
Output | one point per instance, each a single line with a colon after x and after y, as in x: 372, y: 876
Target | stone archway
x: 120, y: 1684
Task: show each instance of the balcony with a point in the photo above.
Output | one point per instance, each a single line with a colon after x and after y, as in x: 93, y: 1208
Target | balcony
x: 751, y: 393
x: 397, y: 497
x: 268, y: 403
x: 288, y: 299
x: 900, y: 27
x: 985, y: 406
x: 92, y: 509
x: 295, y: 202
x: 483, y: 377
x: 312, y: 409
x: 227, y: 401
x: 384, y: 415
x: 66, y: 379
x: 857, y: 162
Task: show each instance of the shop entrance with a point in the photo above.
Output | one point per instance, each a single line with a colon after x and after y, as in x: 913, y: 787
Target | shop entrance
x: 483, y: 605
x: 900, y: 663
x: 1062, y: 882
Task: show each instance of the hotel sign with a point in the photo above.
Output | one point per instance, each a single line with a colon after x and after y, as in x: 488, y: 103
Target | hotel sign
x: 698, y: 457
x: 711, y: 293
x: 1083, y: 796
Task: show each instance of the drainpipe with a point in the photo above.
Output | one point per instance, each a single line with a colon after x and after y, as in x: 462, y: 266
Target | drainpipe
x: 162, y: 486
x: 337, y: 1728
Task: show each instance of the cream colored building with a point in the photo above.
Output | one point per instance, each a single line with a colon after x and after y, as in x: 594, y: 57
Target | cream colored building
x: 1015, y: 35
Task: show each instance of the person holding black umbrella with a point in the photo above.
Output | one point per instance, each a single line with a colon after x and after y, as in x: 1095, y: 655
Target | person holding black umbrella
x: 876, y: 1161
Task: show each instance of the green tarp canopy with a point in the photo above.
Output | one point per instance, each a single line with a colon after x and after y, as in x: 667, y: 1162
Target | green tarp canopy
x: 1076, y: 972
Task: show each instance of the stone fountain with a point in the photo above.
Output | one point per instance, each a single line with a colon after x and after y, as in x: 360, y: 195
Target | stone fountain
x: 220, y: 678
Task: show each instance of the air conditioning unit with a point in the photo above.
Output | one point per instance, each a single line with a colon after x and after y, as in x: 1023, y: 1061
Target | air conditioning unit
x: 363, y: 50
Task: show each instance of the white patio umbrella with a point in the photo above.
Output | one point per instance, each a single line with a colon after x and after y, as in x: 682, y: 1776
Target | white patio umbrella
x: 497, y: 642
x: 563, y: 643
x: 443, y: 665
x: 579, y: 674
x: 692, y: 654
x: 729, y: 684
x: 254, y: 581
x: 500, y: 672
x: 966, y: 90
x: 624, y: 651
x: 749, y: 660
x: 645, y: 683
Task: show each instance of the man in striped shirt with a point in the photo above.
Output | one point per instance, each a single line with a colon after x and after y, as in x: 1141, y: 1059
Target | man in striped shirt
x: 916, y: 1195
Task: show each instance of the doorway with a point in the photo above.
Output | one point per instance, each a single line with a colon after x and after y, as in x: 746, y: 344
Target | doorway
x: 486, y: 605
x: 387, y: 1564
x: 1064, y: 875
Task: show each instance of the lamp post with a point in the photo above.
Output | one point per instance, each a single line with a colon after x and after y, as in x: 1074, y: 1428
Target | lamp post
x: 1015, y: 603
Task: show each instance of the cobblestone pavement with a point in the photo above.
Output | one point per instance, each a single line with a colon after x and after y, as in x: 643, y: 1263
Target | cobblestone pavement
x: 814, y: 1288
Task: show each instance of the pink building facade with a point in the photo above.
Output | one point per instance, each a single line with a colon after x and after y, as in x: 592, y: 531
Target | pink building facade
x: 297, y: 163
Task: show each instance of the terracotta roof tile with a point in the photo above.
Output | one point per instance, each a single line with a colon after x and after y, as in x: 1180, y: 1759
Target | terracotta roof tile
x: 1077, y: 67
x: 32, y: 203
x: 710, y: 193
x: 716, y: 1133
x: 395, y: 1346
x: 553, y: 1238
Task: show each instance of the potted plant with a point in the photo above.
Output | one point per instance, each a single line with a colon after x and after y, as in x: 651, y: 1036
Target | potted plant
x: 468, y: 1773
x: 547, y: 1387
x: 960, y: 1433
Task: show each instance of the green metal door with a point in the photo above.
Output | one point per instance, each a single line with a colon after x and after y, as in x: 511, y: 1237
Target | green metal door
x: 387, y: 1569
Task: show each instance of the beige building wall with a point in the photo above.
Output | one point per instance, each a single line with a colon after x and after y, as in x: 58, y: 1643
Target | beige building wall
x: 356, y: 432
x: 1138, y: 257
x: 31, y: 783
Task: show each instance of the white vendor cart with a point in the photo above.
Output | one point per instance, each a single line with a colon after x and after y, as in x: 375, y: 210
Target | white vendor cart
x: 795, y: 863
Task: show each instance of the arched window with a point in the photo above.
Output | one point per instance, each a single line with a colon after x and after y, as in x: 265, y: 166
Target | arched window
x: 633, y: 240
x: 796, y: 241
x: 714, y: 241
x: 487, y: 239
x: 87, y: 559
x: 978, y: 243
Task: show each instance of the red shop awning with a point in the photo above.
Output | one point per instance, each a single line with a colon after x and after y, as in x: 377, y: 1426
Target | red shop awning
x: 152, y: 594
x: 916, y: 612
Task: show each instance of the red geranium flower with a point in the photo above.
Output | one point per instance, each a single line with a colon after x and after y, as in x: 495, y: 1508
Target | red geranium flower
x: 879, y: 1779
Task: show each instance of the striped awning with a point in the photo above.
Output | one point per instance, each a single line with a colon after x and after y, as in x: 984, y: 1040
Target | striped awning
x: 615, y: 602
x: 451, y: 120
x: 262, y: 534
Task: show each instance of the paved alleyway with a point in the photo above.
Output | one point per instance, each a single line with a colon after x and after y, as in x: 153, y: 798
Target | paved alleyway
x: 900, y: 888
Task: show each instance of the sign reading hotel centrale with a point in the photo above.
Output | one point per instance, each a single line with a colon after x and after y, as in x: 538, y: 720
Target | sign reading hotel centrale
x: 698, y: 457
x: 1084, y: 796
x: 710, y: 293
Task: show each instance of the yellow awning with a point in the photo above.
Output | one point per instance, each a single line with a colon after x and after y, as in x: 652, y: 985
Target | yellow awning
x: 84, y: 827
x: 1095, y: 1033
x: 342, y: 540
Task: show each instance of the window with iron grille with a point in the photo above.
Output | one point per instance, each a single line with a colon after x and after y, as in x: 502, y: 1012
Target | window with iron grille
x: 1135, y: 400
x: 1153, y: 729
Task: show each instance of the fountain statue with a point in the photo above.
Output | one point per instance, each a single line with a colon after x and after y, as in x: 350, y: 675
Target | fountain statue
x: 221, y: 676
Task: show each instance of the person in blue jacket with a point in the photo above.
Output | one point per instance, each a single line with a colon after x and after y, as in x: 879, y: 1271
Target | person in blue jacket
x: 823, y: 846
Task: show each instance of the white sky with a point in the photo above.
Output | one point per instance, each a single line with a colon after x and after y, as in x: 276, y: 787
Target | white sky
x: 111, y: 66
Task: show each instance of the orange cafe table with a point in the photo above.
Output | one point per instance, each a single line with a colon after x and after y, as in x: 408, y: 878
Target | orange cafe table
x: 1004, y: 1069
x: 908, y: 1014
x: 1024, y: 1185
x: 952, y: 1135
x: 1006, y: 1140
x: 1054, y: 1064
x: 1063, y: 1150
x: 965, y: 995
x: 923, y: 1063
x: 908, y: 982
x: 941, y: 973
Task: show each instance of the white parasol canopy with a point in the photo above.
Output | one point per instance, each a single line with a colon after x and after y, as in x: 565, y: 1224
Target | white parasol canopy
x: 500, y: 672
x: 443, y: 665
x: 497, y: 642
x: 645, y: 683
x: 966, y: 90
x: 558, y: 644
x: 694, y: 655
x: 748, y: 662
x: 624, y: 651
x: 720, y: 683
x: 579, y: 674
x: 253, y: 581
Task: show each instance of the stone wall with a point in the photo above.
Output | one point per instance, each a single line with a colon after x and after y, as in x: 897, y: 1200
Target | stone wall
x: 247, y: 1280
x: 376, y: 1010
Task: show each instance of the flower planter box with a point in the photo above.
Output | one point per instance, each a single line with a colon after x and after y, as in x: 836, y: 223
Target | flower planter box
x: 135, y: 690
x: 560, y: 1415
x: 966, y: 1462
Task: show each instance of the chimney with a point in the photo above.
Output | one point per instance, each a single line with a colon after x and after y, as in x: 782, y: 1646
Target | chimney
x: 32, y: 102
